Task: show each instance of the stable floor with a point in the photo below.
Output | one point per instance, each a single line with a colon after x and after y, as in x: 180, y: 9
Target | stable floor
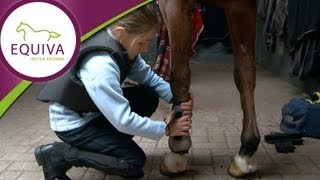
x: 217, y: 125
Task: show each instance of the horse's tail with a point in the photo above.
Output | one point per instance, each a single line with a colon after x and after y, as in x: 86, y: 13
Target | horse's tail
x: 54, y: 35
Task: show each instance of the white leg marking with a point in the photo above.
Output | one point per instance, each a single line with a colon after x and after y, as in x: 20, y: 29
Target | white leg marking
x: 245, y: 164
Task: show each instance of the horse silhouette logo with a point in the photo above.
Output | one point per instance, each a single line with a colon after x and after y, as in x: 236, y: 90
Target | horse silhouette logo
x: 35, y: 49
x: 37, y: 35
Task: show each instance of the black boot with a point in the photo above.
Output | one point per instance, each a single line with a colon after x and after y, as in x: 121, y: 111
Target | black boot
x: 53, y: 163
x: 108, y: 164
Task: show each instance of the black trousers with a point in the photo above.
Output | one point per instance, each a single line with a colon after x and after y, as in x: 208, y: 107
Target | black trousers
x: 100, y: 136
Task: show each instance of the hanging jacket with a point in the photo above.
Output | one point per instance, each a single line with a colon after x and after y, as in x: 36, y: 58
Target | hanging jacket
x: 304, y: 37
x: 68, y: 89
x: 273, y: 13
x: 303, y: 19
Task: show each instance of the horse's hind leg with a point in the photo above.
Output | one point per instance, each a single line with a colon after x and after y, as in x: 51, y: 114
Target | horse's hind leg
x: 242, y: 25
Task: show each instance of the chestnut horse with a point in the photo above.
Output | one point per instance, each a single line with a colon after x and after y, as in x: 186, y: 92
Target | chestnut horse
x: 241, y: 17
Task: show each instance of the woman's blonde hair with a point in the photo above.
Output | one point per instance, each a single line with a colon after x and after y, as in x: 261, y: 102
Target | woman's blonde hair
x: 141, y: 20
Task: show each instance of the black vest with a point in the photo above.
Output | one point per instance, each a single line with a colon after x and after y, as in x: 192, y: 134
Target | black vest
x: 68, y: 90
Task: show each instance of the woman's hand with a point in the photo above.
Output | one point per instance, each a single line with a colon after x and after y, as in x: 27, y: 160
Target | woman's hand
x: 187, y: 107
x: 182, y: 125
x: 179, y: 127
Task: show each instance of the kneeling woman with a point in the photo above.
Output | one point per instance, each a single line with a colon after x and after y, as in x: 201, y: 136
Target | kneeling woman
x: 95, y: 117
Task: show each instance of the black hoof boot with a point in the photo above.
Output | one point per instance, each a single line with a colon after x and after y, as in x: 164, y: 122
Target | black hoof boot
x: 53, y: 163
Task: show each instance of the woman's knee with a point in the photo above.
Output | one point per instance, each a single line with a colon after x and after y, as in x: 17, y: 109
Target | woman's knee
x: 152, y: 100
x: 143, y: 100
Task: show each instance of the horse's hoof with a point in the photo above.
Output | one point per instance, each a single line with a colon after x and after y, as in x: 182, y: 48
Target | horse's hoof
x: 180, y: 144
x: 173, y: 164
x: 242, y: 166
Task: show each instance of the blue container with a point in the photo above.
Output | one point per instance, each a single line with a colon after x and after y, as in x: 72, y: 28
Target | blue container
x: 312, y: 127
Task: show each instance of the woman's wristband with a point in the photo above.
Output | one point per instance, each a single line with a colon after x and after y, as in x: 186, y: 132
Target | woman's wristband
x: 167, y: 129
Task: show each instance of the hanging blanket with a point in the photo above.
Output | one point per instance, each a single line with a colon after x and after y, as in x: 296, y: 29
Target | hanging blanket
x: 162, y: 65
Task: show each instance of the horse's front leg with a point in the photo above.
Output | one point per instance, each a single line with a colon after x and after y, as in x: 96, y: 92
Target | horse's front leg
x: 242, y: 25
x: 177, y: 15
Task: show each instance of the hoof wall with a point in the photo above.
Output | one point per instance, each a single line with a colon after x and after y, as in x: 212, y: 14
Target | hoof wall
x: 173, y: 164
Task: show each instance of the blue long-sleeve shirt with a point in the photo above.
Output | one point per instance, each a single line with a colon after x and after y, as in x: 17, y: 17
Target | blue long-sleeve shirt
x: 101, y: 77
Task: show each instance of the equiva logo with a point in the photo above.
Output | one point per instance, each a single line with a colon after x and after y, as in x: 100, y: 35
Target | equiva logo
x: 38, y: 36
x: 39, y: 41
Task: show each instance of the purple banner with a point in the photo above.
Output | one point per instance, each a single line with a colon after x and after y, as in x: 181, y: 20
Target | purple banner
x: 88, y: 14
x: 93, y: 13
x: 7, y: 81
